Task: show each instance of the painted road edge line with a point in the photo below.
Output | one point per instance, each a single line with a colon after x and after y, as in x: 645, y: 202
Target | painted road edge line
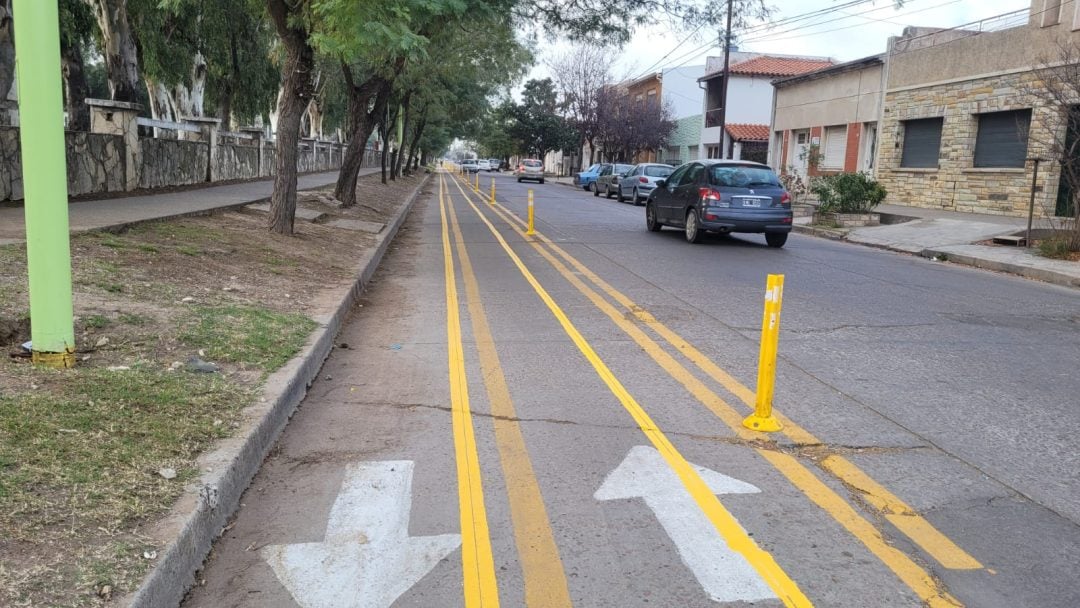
x: 541, y: 566
x: 906, y: 519
x: 198, y: 516
x: 725, y: 523
x: 477, y: 561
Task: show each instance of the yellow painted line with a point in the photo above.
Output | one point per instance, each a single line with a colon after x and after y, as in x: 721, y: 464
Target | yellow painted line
x: 906, y: 519
x: 909, y: 572
x: 725, y: 523
x: 477, y: 562
x: 541, y: 566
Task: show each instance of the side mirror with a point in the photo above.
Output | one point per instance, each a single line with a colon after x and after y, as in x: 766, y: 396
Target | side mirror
x: 661, y: 183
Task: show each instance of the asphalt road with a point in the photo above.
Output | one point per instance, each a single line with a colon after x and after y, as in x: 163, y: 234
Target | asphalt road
x: 553, y: 420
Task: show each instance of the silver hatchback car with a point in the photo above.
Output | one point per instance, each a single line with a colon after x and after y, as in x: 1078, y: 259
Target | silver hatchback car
x: 640, y: 181
x: 530, y: 168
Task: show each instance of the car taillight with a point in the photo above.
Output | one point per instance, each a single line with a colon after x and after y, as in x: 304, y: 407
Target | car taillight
x: 643, y: 180
x: 785, y: 198
x: 708, y: 194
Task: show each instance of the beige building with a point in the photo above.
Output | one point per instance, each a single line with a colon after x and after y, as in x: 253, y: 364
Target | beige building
x: 963, y: 115
x: 827, y: 121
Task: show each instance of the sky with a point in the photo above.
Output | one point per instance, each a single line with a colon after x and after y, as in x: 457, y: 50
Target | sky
x: 843, y: 35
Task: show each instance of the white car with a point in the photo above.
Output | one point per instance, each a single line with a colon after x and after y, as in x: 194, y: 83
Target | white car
x: 469, y: 165
x: 483, y: 165
x: 531, y: 169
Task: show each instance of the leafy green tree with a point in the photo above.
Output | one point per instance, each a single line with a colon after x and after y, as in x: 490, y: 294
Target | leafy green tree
x: 537, y: 123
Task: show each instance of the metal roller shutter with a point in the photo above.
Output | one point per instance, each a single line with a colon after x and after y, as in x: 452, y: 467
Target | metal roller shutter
x: 835, y: 147
x: 1002, y: 139
x: 922, y: 143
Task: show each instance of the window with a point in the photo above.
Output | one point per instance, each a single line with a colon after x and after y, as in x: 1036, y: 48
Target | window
x: 1002, y: 139
x: 743, y: 176
x: 835, y: 147
x: 657, y: 171
x: 922, y: 143
x: 693, y: 176
x: 1051, y: 13
x: 677, y: 176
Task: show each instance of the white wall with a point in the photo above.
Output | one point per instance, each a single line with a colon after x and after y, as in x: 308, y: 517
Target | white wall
x: 749, y: 102
x: 680, y: 90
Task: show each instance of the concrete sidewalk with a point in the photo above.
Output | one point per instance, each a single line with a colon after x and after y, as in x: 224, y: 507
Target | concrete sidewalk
x: 95, y: 215
x: 955, y: 237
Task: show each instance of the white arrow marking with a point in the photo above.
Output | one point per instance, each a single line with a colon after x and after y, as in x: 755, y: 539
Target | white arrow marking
x: 367, y: 559
x: 725, y: 575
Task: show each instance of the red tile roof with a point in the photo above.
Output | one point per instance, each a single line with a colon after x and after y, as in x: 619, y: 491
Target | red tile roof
x: 740, y: 132
x: 778, y: 66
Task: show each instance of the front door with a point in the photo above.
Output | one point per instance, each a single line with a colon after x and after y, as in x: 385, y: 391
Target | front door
x: 667, y: 197
x: 800, y: 151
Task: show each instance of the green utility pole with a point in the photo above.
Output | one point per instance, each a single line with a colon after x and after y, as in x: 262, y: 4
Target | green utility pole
x: 44, y: 171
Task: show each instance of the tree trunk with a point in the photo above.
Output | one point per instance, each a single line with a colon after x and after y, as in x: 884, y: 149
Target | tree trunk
x: 296, y: 90
x: 363, y: 123
x: 413, y: 149
x: 7, y: 49
x: 383, y: 132
x: 121, y: 58
x: 75, y: 88
x: 224, y: 111
x: 198, y: 85
x: 399, y: 154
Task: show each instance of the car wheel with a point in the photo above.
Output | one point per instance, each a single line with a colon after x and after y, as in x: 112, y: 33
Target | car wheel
x: 637, y: 198
x: 776, y: 239
x: 541, y: 181
x: 693, y: 228
x: 595, y: 189
x: 519, y: 180
x: 618, y: 194
x: 607, y: 191
x: 651, y: 222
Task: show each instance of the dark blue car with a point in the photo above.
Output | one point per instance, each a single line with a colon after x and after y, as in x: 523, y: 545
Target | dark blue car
x: 588, y: 176
x: 721, y: 196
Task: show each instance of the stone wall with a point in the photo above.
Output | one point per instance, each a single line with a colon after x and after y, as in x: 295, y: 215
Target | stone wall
x: 96, y: 162
x: 956, y: 185
x: 172, y: 162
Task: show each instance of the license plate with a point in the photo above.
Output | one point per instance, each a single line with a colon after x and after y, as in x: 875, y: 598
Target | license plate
x: 751, y: 202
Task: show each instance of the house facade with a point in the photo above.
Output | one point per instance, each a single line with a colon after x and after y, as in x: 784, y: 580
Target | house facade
x: 676, y: 89
x: 749, y: 101
x: 965, y: 113
x: 826, y: 121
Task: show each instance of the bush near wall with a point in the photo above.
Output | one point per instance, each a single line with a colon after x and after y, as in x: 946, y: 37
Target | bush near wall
x: 848, y: 193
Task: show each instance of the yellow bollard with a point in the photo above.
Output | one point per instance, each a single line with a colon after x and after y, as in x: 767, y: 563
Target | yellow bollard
x: 532, y: 215
x: 476, y: 186
x: 762, y: 419
x: 492, y: 200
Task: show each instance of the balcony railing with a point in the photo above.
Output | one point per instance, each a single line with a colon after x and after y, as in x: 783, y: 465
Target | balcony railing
x: 712, y: 117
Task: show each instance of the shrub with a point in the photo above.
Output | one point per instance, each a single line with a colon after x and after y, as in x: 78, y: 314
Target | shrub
x: 848, y: 193
x: 1056, y: 248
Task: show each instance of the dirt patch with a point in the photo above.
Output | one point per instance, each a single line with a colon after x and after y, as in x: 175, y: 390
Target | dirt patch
x: 177, y: 325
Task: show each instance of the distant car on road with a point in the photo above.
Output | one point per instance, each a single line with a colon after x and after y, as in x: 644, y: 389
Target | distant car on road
x: 530, y: 168
x: 483, y: 165
x: 721, y: 196
x: 494, y: 164
x: 470, y: 165
x: 588, y: 176
x: 640, y: 181
x: 608, y: 180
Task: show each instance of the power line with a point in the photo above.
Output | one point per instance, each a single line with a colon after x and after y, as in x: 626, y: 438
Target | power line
x: 848, y: 27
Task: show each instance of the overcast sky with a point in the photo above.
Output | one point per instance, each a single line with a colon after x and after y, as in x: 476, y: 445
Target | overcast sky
x: 842, y: 35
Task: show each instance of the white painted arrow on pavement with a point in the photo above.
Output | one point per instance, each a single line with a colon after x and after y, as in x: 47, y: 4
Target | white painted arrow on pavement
x: 725, y: 575
x: 367, y: 559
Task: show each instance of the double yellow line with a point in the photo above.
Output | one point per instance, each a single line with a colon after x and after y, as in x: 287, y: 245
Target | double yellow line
x: 543, y: 574
x: 888, y: 505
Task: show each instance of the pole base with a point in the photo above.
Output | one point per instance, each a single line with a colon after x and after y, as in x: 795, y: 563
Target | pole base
x: 62, y: 360
x: 765, y: 424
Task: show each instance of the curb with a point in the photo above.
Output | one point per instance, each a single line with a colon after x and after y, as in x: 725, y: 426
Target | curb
x: 825, y: 233
x: 1038, y: 274
x: 200, y: 515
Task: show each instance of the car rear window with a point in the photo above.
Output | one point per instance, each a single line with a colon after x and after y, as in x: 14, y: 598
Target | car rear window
x: 623, y: 168
x: 658, y: 171
x: 532, y: 164
x: 742, y: 176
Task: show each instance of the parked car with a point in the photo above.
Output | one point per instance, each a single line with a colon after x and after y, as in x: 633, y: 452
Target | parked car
x: 483, y: 165
x: 470, y: 165
x: 608, y: 179
x: 721, y: 196
x: 494, y: 164
x: 587, y: 177
x: 530, y: 168
x: 640, y: 181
